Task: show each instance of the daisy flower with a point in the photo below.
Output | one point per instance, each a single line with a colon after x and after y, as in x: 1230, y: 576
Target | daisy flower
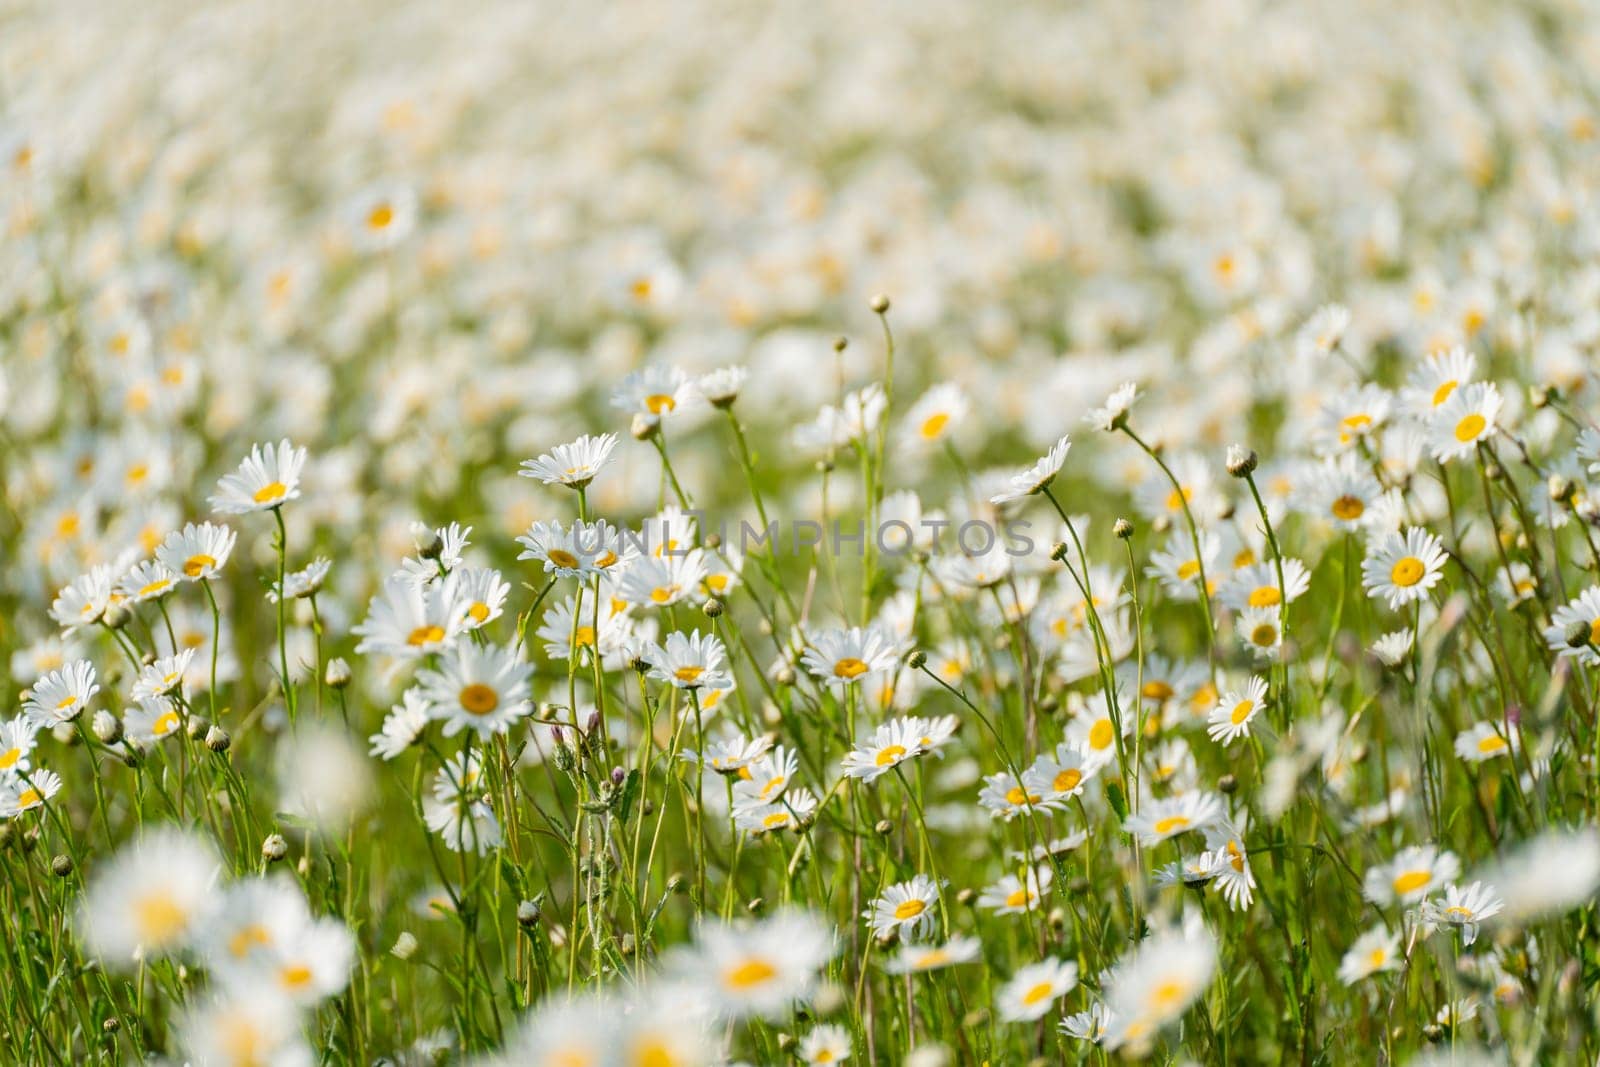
x: 760, y: 968
x: 1012, y: 895
x: 574, y: 464
x: 1156, y: 983
x: 20, y: 794
x: 1351, y: 416
x: 654, y: 393
x: 787, y: 813
x: 479, y: 687
x: 844, y: 657
x: 242, y: 1028
x: 1374, y: 951
x: 1582, y: 609
x: 854, y: 419
x: 402, y: 726
x: 689, y: 661
x: 1033, y: 991
x: 198, y: 551
x: 1516, y: 584
x: 1057, y: 778
x: 1552, y: 873
x: 409, y: 621
x: 60, y: 696
x: 1464, y: 908
x: 268, y: 478
x: 586, y: 549
x: 1485, y: 741
x: 463, y: 825
x: 1256, y: 585
x: 149, y: 899
x: 765, y: 779
x: 1401, y: 567
x: 484, y: 593
x: 1231, y: 718
x: 1036, y: 478
x: 1392, y: 649
x: 935, y: 414
x: 1178, y: 567
x: 1261, y: 631
x: 1091, y: 1025
x: 1321, y: 333
x: 1114, y: 412
x: 1433, y: 382
x: 148, y: 580
x: 1230, y: 864
x: 660, y: 582
x: 1340, y: 491
x: 163, y: 676
x: 381, y: 218
x: 1004, y: 797
x: 307, y: 581
x: 1157, y: 498
x: 569, y: 624
x: 1464, y: 420
x: 85, y: 599
x: 1167, y: 817
x: 917, y: 959
x: 890, y: 745
x: 17, y: 738
x: 721, y: 386
x: 1414, y: 872
x: 307, y: 964
x: 824, y: 1044
x: 1093, y: 730
x: 729, y: 755
x: 906, y: 907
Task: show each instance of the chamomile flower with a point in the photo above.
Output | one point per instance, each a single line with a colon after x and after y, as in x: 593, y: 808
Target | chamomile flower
x: 402, y: 726
x: 1091, y: 1025
x: 484, y: 593
x: 152, y: 719
x: 918, y: 959
x: 1036, y: 478
x: 463, y: 824
x: 1436, y: 380
x: 1014, y: 895
x: 1554, y: 872
x: 381, y: 218
x: 1463, y: 421
x: 1156, y: 983
x: 85, y: 599
x: 1230, y: 864
x: 689, y: 661
x: 906, y: 907
x: 1231, y: 718
x: 1375, y: 951
x: 1401, y: 567
x: 27, y: 791
x: 240, y: 1027
x: 408, y: 621
x: 854, y: 419
x: 268, y: 478
x: 147, y: 580
x: 1464, y: 908
x: 305, y: 582
x: 654, y: 393
x: 1178, y: 567
x: 150, y: 899
x: 60, y: 696
x: 888, y: 746
x: 1394, y: 648
x: 1261, y: 630
x: 1114, y: 412
x: 163, y: 676
x: 1159, y: 819
x: 661, y: 581
x: 730, y: 754
x: 788, y: 812
x: 1256, y: 585
x: 17, y: 738
x: 1004, y: 797
x: 483, y: 688
x: 1059, y: 777
x: 1582, y: 609
x: 581, y: 551
x: 1351, y: 416
x: 1485, y: 741
x: 756, y: 968
x: 935, y: 415
x: 1516, y: 584
x: 198, y: 551
x: 1093, y: 730
x: 1033, y: 991
x: 824, y: 1044
x: 721, y: 386
x: 1414, y: 872
x: 765, y: 780
x: 844, y: 657
x: 308, y: 963
x: 1321, y: 333
x: 1341, y: 492
x: 574, y: 464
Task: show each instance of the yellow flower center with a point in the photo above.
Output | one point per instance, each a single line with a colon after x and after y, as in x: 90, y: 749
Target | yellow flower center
x: 270, y: 492
x: 164, y: 725
x: 663, y: 593
x: 1188, y: 569
x: 775, y: 820
x: 562, y: 558
x: 653, y: 1053
x: 1407, y: 571
x: 749, y: 974
x: 1018, y: 899
x: 479, y: 611
x: 295, y: 976
x: 1171, y: 824
x: 1470, y: 427
x: 1100, y: 735
x: 155, y: 587
x: 158, y: 918
x: 479, y: 699
x: 1441, y: 394
x: 1264, y: 596
x: 1377, y: 957
x: 9, y: 758
x: 425, y: 635
x: 890, y: 755
x: 1458, y: 911
x: 380, y: 217
x: 1241, y: 711
x: 1042, y: 991
x: 1178, y: 498
x: 934, y: 425
x: 1348, y: 508
x: 688, y: 675
x: 1067, y: 780
x: 1016, y: 797
x: 1411, y: 881
x: 1492, y: 743
x: 583, y: 637
x: 1156, y: 690
x: 197, y: 564
x: 659, y: 402
x: 909, y: 909
x: 247, y: 938
x: 1167, y: 995
x: 1264, y: 635
x: 28, y: 798
x: 849, y: 667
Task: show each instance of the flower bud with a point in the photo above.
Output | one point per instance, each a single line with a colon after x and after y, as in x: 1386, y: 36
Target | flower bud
x: 217, y: 739
x: 880, y: 304
x: 106, y: 727
x: 713, y: 608
x: 337, y: 675
x: 61, y: 865
x: 528, y: 914
x: 274, y: 848
x: 917, y: 659
x: 405, y: 946
x: 1123, y: 529
x: 1579, y: 634
x: 1241, y: 461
